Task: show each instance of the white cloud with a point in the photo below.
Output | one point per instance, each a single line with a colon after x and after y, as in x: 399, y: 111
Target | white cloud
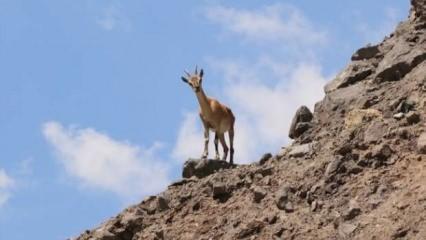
x: 6, y: 183
x: 101, y: 162
x: 276, y: 22
x: 190, y: 138
x: 112, y: 17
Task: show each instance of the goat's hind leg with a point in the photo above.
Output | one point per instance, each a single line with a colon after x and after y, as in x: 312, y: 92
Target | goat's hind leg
x: 225, y: 147
x: 231, y: 143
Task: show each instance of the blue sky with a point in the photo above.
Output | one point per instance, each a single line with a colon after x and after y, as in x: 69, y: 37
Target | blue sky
x: 95, y: 116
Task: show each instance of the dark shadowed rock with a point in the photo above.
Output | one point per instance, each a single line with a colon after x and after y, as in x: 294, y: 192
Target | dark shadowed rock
x: 258, y: 194
x: 365, y: 53
x: 203, y: 167
x: 252, y: 228
x: 266, y: 157
x: 219, y: 189
x: 382, y: 152
x: 355, y: 72
x: 162, y: 204
x: 405, y: 106
x: 396, y: 65
x: 412, y: 118
x: 303, y: 115
x: 351, y: 213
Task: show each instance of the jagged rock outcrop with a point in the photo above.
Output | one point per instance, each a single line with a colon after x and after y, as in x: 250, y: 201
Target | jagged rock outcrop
x: 203, y: 167
x: 359, y: 172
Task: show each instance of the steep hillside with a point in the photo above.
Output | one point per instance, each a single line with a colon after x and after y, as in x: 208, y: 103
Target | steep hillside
x: 356, y: 168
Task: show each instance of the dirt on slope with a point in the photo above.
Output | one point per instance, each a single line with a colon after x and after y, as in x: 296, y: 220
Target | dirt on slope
x: 356, y: 169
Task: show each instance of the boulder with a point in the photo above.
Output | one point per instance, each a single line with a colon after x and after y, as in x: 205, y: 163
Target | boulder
x: 374, y: 132
x: 203, y: 167
x: 346, y: 229
x: 282, y: 200
x: 162, y: 203
x: 303, y: 115
x: 301, y: 150
x: 258, y: 194
x: 219, y: 189
x: 412, y: 118
x: 266, y: 157
x: 382, y: 152
x: 365, y: 53
x: 333, y: 166
x: 251, y: 228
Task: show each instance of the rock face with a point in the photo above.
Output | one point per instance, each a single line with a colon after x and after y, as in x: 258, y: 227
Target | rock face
x: 203, y: 167
x: 354, y: 170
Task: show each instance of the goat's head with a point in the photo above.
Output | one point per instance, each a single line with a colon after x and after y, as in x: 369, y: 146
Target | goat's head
x: 194, y: 80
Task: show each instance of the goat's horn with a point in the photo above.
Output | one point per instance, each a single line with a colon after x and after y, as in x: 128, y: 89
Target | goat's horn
x: 196, y: 69
x: 187, y: 73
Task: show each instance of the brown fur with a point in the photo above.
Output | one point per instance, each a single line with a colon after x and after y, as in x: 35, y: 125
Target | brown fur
x: 214, y: 116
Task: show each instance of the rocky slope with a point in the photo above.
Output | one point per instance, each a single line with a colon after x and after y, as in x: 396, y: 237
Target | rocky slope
x: 356, y: 168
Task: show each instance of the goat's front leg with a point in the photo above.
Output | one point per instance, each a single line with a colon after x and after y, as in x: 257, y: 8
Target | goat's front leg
x: 216, y: 145
x: 206, y: 143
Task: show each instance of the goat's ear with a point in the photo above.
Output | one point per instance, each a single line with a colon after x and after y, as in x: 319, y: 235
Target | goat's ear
x: 184, y: 79
x: 201, y: 73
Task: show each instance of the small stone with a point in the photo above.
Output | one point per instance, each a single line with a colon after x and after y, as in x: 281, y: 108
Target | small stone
x: 333, y: 166
x: 288, y: 207
x: 344, y: 149
x: 412, y: 118
x: 251, y: 229
x: 374, y: 132
x: 203, y: 167
x: 282, y: 199
x: 159, y: 234
x: 314, y: 206
x: 257, y: 177
x: 366, y: 52
x: 300, y: 150
x: 400, y: 232
x: 258, y: 194
x: 351, y: 213
x: 266, y: 157
x: 345, y: 229
x: 382, y: 152
x: 219, y: 189
x: 399, y: 116
x: 271, y: 218
x: 162, y: 204
x: 421, y: 143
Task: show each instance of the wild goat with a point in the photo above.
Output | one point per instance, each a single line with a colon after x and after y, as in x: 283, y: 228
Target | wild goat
x: 214, y: 116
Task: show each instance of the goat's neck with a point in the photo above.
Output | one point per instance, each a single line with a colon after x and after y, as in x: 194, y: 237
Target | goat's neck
x: 204, y: 103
